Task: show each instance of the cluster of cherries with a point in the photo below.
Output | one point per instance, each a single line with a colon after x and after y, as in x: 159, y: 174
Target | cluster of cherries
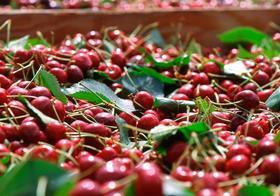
x: 88, y: 137
x: 137, y: 4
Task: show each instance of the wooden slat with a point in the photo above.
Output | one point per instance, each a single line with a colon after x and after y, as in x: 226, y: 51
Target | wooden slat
x: 202, y: 24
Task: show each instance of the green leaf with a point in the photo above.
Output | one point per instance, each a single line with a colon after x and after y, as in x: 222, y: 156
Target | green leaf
x: 6, y: 160
x: 242, y: 34
x: 170, y: 105
x: 156, y: 37
x: 97, y: 75
x: 98, y: 88
x: 18, y: 44
x: 35, y: 112
x: 200, y: 128
x: 204, y: 107
x: 134, y: 83
x: 178, y: 61
x: 34, y: 42
x: 130, y: 190
x: 50, y: 81
x: 194, y: 47
x: 92, y: 97
x: 124, y: 139
x: 254, y: 190
x: 162, y: 132
x: 65, y: 189
x: 277, y: 137
x: 141, y: 70
x: 273, y: 102
x: 23, y: 179
x: 173, y: 187
x: 108, y: 46
x: 244, y: 54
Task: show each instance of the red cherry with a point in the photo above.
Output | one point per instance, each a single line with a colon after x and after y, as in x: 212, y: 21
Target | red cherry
x: 238, y: 164
x: 233, y: 90
x: 182, y: 173
x: 83, y: 61
x: 86, y: 187
x: 211, y: 67
x: 44, y: 152
x: 207, y: 192
x: 261, y: 78
x: 106, y: 118
x: 186, y: 89
x: 252, y: 129
x: 5, y: 82
x: 175, y: 151
x: 251, y: 86
x: 271, y: 167
x: 226, y: 84
x: 113, y: 71
x: 118, y: 58
x: 238, y: 149
x: 265, y: 94
x: 89, y: 163
x: 108, y: 153
x: 128, y: 118
x: 200, y: 78
x: 149, y: 180
x: 40, y: 91
x: 11, y: 132
x: 74, y: 73
x: 179, y: 96
x: 248, y: 99
x: 112, y: 170
x: 148, y: 121
x: 96, y: 129
x: 60, y: 74
x: 30, y: 132
x: 55, y: 131
x: 204, y: 91
x: 4, y: 151
x: 265, y: 147
x: 3, y: 96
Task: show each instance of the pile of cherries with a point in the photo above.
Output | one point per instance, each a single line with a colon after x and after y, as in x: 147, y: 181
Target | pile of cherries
x: 130, y: 5
x: 88, y: 136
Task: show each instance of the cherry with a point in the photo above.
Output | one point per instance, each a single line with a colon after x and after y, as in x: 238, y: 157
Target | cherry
x: 21, y: 56
x: 149, y: 180
x: 40, y: 91
x: 148, y: 121
x: 113, y: 71
x: 95, y: 59
x: 55, y: 131
x: 90, y: 164
x: 4, y: 151
x: 30, y: 132
x: 108, y: 153
x: 265, y: 94
x: 175, y: 151
x: 64, y: 145
x: 118, y: 58
x: 44, y: 152
x: 238, y: 149
x: 179, y: 96
x: 250, y: 86
x: 261, y: 78
x: 220, y: 117
x: 54, y: 64
x: 252, y: 129
x: 78, y: 125
x: 233, y: 90
x: 271, y: 167
x: 83, y: 61
x: 217, y: 161
x: 15, y: 90
x: 74, y: 73
x: 11, y: 132
x: 133, y: 154
x: 128, y: 118
x: 168, y: 122
x: 226, y: 84
x: 3, y: 96
x: 17, y: 108
x: 265, y: 147
x: 238, y: 164
x: 200, y: 78
x: 182, y: 173
x: 211, y: 67
x: 207, y: 192
x: 248, y: 99
x: 59, y: 73
x: 106, y: 118
x: 96, y: 129
x: 86, y: 187
x: 186, y: 89
x: 144, y: 99
x: 204, y: 91
x: 112, y: 170
x: 5, y: 82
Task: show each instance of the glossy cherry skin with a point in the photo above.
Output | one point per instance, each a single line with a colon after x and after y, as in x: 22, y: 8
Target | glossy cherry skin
x: 86, y: 187
x: 247, y: 99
